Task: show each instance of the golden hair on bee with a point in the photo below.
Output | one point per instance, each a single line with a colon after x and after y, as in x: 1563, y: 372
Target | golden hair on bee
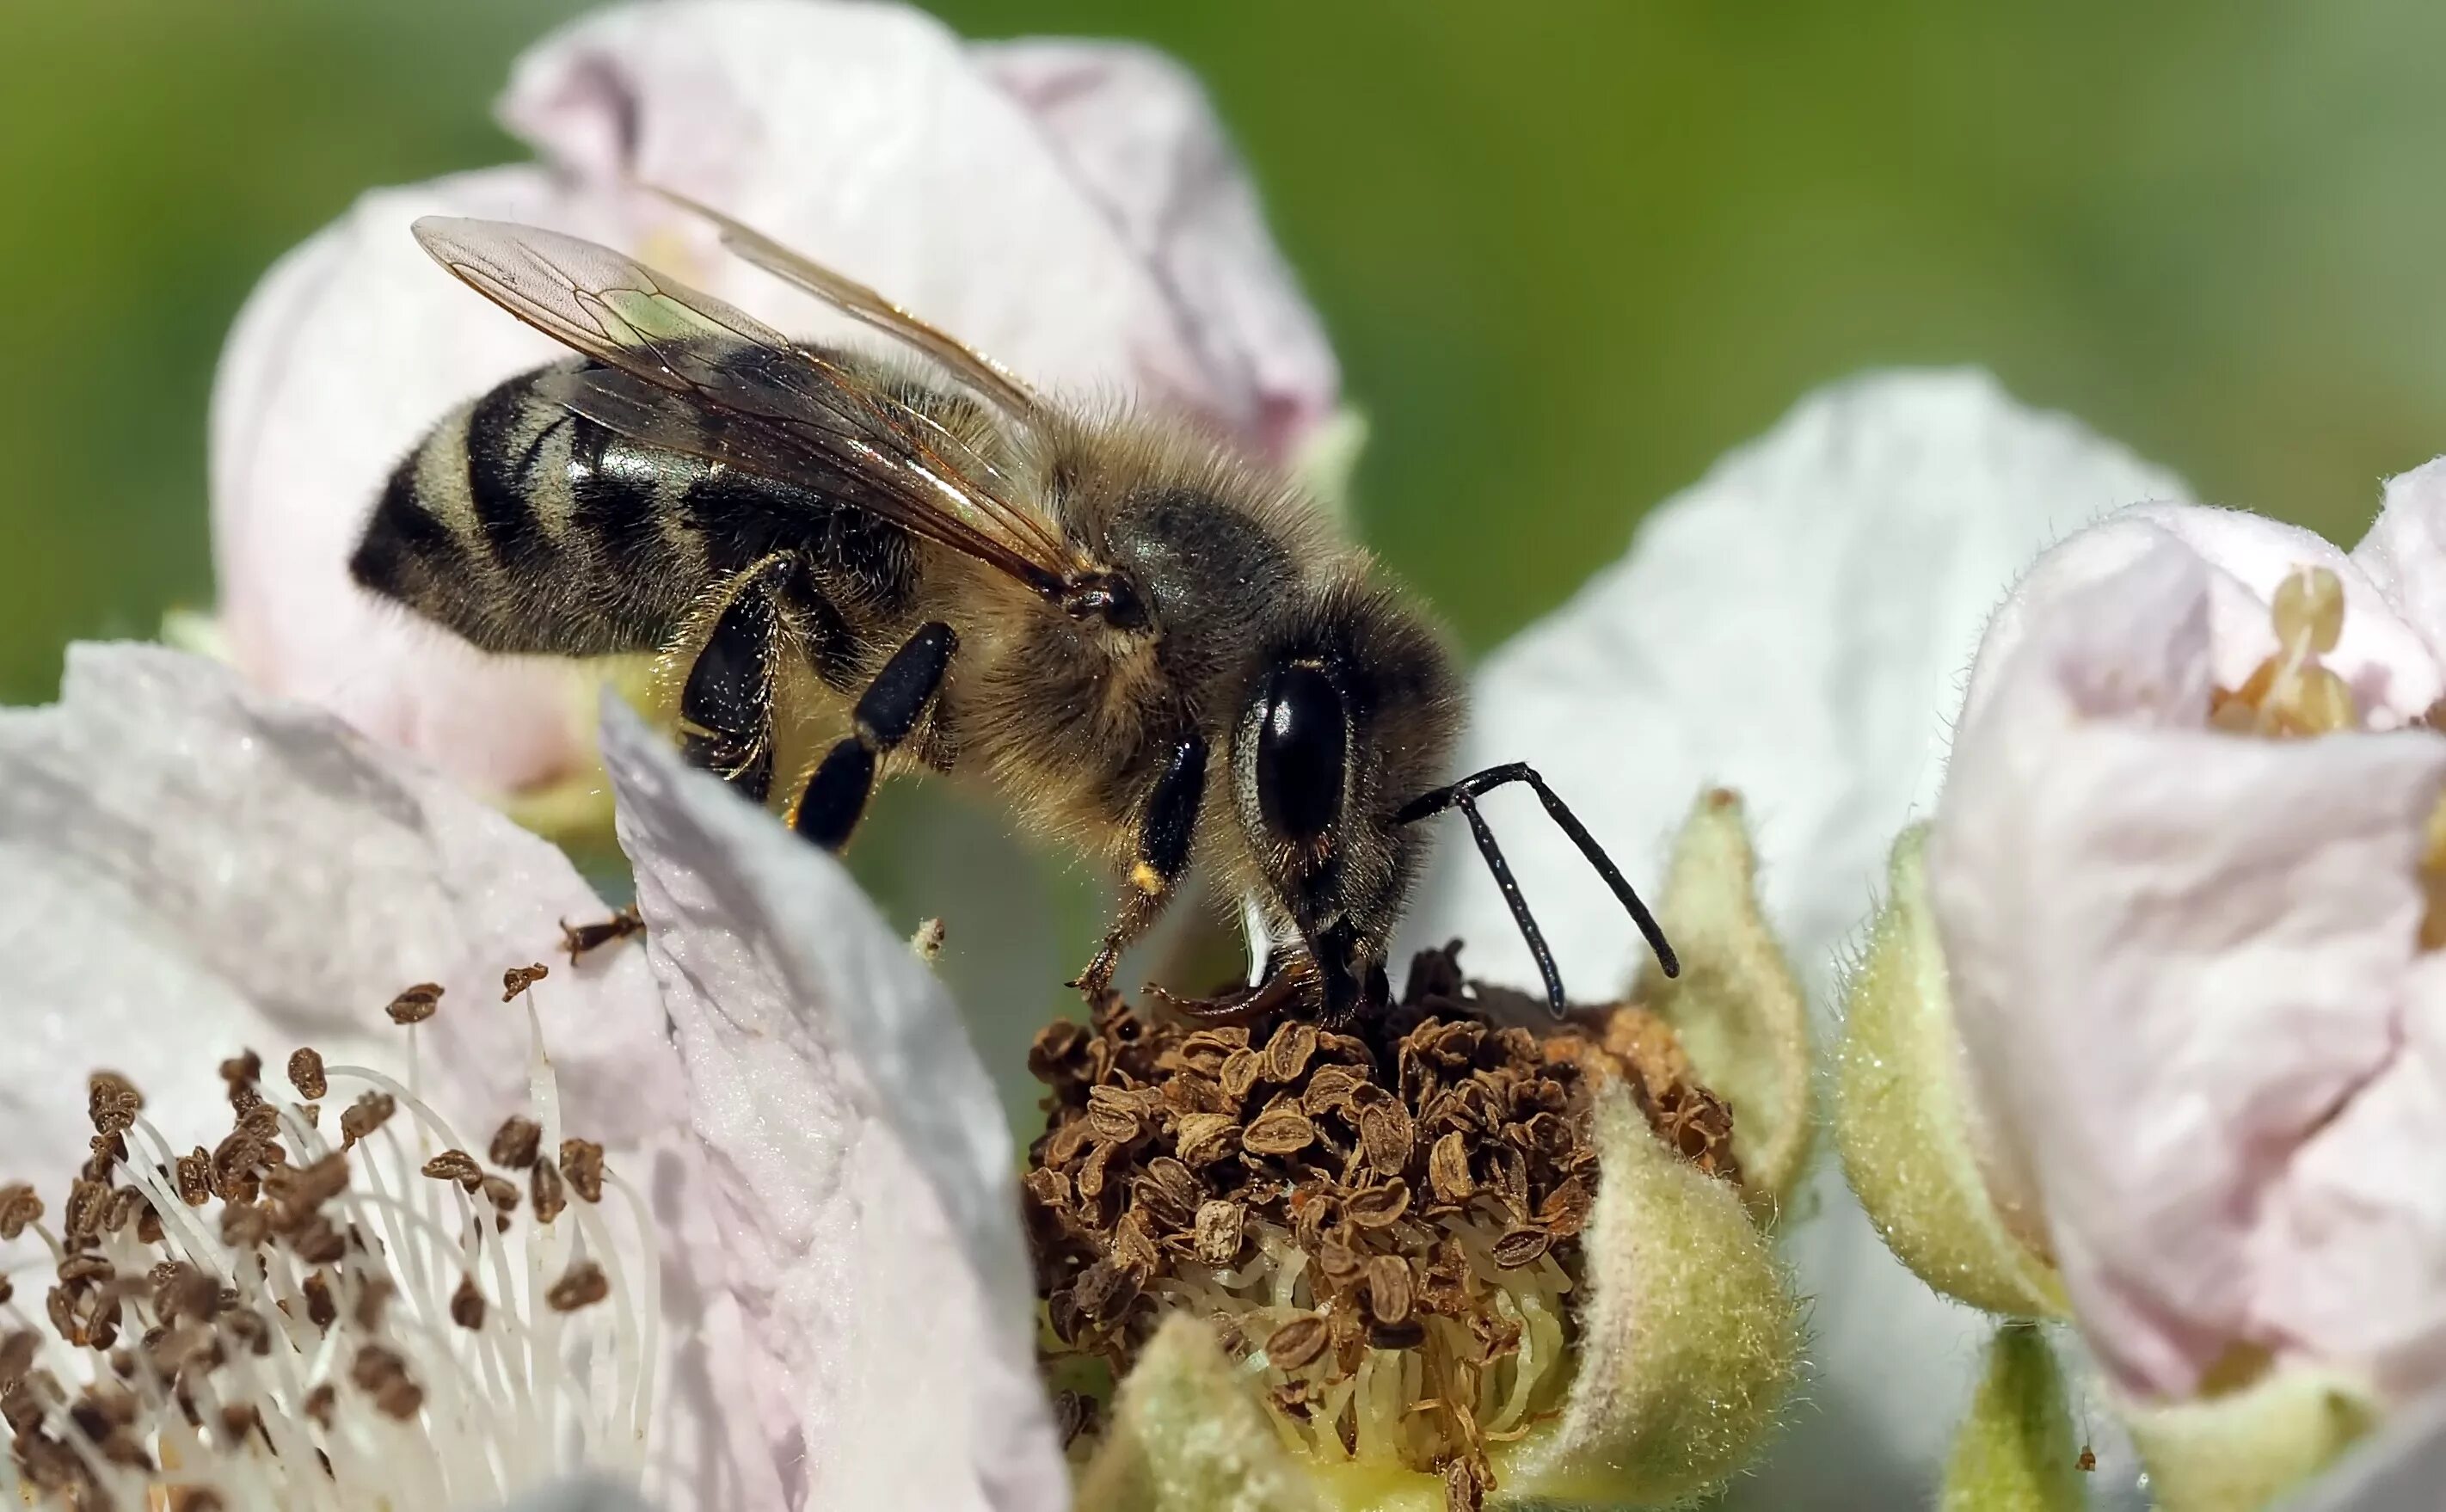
x: 1148, y: 644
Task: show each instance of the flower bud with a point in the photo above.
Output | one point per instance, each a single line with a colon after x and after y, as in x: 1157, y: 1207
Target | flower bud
x: 2014, y: 1451
x: 1735, y: 1007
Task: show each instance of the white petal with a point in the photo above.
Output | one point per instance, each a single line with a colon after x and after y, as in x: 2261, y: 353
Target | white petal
x: 2175, y: 955
x: 2404, y: 553
x: 2390, y: 667
x: 188, y: 868
x: 1141, y: 140
x: 869, y: 138
x: 863, y: 1167
x: 1795, y: 626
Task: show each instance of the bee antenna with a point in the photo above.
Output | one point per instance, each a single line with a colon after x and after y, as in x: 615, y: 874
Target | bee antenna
x: 1464, y: 794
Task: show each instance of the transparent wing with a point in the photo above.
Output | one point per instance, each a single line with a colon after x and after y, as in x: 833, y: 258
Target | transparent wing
x: 854, y: 299
x: 689, y: 372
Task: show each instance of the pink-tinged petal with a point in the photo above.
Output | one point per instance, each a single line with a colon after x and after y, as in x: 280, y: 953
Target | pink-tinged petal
x: 870, y: 138
x: 346, y: 355
x: 2350, y: 1251
x: 2404, y: 553
x: 2175, y: 953
x: 1142, y: 141
x: 191, y: 868
x: 1795, y: 626
x: 860, y: 1168
x: 2393, y: 673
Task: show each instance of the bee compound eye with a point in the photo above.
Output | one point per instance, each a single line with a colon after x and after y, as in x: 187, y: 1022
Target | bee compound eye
x: 1303, y: 744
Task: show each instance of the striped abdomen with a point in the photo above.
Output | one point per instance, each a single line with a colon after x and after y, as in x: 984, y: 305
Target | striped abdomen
x: 526, y: 528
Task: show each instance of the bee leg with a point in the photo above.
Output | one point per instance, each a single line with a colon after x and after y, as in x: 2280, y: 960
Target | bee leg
x: 886, y: 713
x: 726, y: 704
x: 1166, y: 826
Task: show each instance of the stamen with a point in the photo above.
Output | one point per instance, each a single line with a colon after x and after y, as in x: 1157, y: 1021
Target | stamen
x: 346, y: 1332
x: 1384, y: 1226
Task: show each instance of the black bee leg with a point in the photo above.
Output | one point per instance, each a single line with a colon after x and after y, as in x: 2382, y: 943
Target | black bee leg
x: 726, y: 704
x: 1166, y: 824
x: 887, y: 713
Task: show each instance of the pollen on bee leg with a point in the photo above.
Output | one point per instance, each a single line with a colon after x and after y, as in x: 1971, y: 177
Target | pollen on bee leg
x: 282, y: 1351
x: 1383, y: 1226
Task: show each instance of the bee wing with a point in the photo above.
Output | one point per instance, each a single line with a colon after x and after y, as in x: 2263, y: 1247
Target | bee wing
x: 868, y: 305
x: 690, y: 373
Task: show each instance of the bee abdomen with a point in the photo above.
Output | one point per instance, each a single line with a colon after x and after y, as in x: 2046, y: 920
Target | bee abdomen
x: 526, y: 528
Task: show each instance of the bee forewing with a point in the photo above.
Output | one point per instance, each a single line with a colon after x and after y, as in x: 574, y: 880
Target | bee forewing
x: 987, y: 377
x: 584, y: 294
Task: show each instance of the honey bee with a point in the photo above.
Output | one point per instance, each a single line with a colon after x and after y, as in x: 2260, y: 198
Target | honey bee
x: 1146, y: 642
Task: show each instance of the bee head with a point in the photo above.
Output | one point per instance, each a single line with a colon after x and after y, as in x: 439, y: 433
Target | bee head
x: 1352, y: 709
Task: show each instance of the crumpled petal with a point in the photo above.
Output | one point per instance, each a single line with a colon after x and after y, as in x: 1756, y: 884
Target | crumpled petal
x: 1795, y: 626
x: 977, y: 189
x: 2243, y: 1450
x: 1689, y: 1339
x: 861, y: 1168
x: 1189, y: 1436
x: 188, y: 867
x: 2393, y: 672
x: 1735, y: 1006
x: 2176, y: 955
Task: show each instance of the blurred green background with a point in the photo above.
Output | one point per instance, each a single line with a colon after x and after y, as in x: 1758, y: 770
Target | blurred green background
x: 1568, y: 252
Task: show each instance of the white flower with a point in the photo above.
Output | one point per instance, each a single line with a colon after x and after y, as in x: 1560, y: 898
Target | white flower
x: 194, y: 870
x: 1070, y: 208
x: 1795, y: 626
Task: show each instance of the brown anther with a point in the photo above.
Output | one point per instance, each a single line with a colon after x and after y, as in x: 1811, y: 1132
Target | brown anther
x: 1448, y: 1169
x: 1378, y: 1206
x: 238, y: 1421
x: 1242, y: 1070
x: 181, y: 1291
x: 581, y: 1161
x: 320, y: 1404
x: 503, y: 1194
x: 467, y: 1304
x: 583, y: 1285
x: 1113, y: 1114
x: 127, y: 1205
x: 1385, y: 1133
x: 19, y: 1206
x: 1104, y: 1290
x: 549, y: 1193
x: 195, y: 1178
x: 1219, y: 1232
x: 1202, y: 1139
x: 519, y: 978
x: 455, y: 1165
x: 81, y: 1217
x: 579, y: 938
x: 1288, y: 1052
x: 1297, y: 1343
x: 317, y: 1242
x: 416, y: 1004
x: 383, y: 1376
x: 1281, y: 1129
x: 1388, y: 1289
x: 112, y: 1102
x: 1521, y: 1246
x: 306, y: 1073
x: 243, y: 1069
x: 515, y: 1143
x: 244, y: 1225
x: 365, y: 1115
x: 373, y: 1300
x: 321, y: 1310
